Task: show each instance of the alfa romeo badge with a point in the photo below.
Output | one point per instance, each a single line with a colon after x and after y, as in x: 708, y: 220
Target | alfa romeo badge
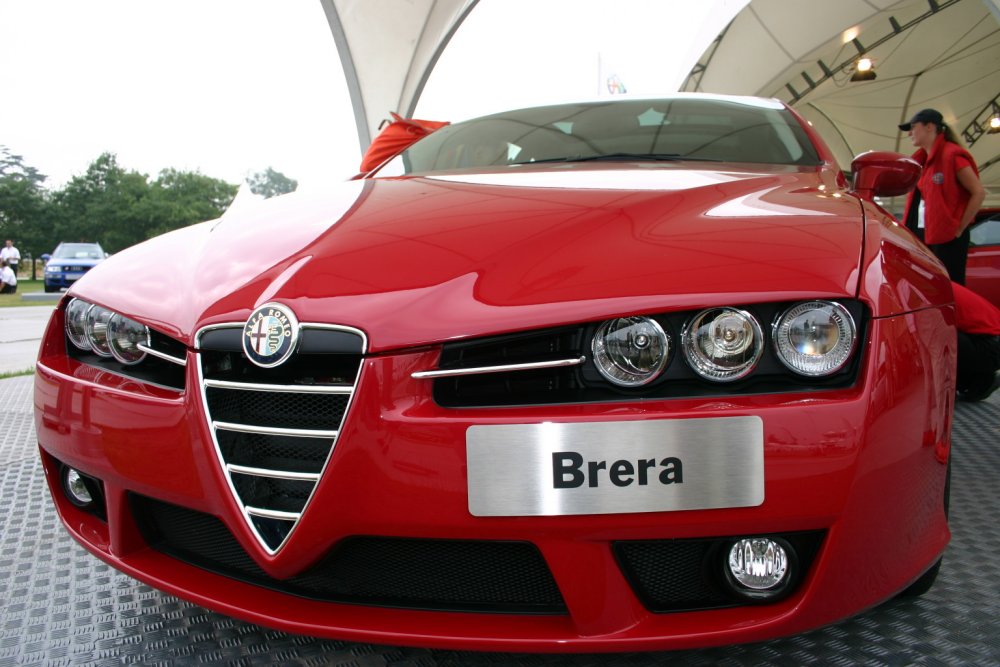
x: 270, y: 335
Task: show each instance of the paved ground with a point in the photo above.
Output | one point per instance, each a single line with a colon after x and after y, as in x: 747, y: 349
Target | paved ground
x: 21, y: 329
x: 61, y: 606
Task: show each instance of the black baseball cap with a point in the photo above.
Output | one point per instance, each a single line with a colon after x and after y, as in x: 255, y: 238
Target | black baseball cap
x: 924, y: 116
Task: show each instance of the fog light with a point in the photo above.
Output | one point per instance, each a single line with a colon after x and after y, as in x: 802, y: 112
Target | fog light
x: 76, y: 489
x: 758, y: 564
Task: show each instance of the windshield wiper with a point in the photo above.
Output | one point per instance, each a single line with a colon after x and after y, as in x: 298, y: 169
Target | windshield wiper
x: 621, y: 157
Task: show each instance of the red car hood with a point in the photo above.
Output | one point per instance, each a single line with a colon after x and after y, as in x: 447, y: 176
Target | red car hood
x: 422, y: 260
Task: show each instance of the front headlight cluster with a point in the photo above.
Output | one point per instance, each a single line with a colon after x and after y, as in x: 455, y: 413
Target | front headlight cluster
x: 812, y: 339
x: 96, y: 329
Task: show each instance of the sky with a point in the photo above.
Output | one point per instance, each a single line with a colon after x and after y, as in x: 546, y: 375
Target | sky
x: 231, y: 87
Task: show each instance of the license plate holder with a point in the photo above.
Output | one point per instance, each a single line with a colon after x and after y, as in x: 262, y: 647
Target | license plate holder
x: 661, y: 465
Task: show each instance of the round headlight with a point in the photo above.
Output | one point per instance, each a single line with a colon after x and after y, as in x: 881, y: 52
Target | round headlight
x: 815, y: 338
x: 75, y: 323
x: 630, y: 351
x: 722, y: 344
x: 124, y: 337
x: 96, y: 326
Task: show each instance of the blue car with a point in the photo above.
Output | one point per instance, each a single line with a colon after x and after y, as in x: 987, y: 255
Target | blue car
x: 69, y: 262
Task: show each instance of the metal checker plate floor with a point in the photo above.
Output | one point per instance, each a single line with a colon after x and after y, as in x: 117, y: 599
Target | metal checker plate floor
x: 62, y: 606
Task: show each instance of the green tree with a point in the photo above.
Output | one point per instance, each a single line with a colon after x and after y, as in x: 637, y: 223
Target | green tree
x: 183, y: 198
x: 105, y: 204
x: 271, y: 183
x: 119, y: 208
x: 23, y: 205
x: 13, y: 166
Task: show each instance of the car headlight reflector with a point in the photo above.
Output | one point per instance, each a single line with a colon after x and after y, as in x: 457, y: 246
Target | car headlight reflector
x: 630, y: 351
x: 97, y: 329
x: 75, y: 323
x: 815, y: 338
x: 124, y: 336
x: 722, y: 344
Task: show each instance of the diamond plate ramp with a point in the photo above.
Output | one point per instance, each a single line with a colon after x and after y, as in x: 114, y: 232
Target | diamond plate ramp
x: 61, y: 606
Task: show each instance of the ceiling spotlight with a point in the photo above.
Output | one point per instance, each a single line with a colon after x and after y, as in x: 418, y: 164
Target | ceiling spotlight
x: 864, y: 70
x: 994, y: 125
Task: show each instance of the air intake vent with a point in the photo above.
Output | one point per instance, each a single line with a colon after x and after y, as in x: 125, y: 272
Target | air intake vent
x: 444, y: 575
x: 275, y: 428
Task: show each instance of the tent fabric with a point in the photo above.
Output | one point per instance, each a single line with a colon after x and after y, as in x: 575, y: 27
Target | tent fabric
x: 388, y: 49
x: 395, y: 138
x: 943, y: 54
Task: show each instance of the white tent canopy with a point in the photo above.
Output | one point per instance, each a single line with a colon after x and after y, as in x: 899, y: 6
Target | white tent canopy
x: 388, y: 49
x: 943, y: 54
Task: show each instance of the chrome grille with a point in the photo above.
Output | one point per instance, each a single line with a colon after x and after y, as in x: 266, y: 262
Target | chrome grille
x: 275, y: 429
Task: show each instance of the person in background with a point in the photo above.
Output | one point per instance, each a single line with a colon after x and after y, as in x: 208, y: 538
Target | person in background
x: 948, y: 194
x: 11, y: 255
x: 8, y: 281
x: 978, y: 324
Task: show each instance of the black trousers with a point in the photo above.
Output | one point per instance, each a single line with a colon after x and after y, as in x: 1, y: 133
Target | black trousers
x: 978, y: 361
x: 953, y: 255
x: 8, y: 289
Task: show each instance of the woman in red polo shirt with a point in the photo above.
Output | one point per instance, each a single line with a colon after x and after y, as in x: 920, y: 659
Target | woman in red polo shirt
x: 948, y: 194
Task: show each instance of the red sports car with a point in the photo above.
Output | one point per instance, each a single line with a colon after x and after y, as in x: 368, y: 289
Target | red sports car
x: 608, y: 376
x: 982, y: 274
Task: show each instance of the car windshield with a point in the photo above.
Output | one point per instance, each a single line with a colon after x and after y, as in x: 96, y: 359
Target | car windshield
x: 671, y: 129
x: 78, y: 251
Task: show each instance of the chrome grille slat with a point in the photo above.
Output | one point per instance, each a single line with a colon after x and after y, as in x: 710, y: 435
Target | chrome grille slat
x: 276, y: 474
x: 506, y: 368
x: 269, y: 430
x: 273, y: 514
x: 284, y: 388
x: 160, y: 355
x: 274, y: 439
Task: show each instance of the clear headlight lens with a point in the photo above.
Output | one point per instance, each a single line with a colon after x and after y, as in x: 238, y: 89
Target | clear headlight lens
x: 75, y: 323
x: 96, y: 326
x: 630, y: 351
x: 722, y: 344
x: 124, y: 336
x: 104, y: 332
x: 815, y: 338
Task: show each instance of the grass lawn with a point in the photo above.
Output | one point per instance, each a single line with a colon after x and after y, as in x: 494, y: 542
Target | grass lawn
x: 10, y: 300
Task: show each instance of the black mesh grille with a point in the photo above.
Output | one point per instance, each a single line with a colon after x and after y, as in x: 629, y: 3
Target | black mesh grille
x: 274, y: 531
x: 449, y: 575
x: 674, y: 575
x: 277, y: 409
x: 276, y: 452
x: 683, y: 575
x: 272, y: 493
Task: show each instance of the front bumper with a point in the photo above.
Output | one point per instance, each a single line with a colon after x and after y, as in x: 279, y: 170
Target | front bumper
x: 864, y: 467
x: 61, y: 279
